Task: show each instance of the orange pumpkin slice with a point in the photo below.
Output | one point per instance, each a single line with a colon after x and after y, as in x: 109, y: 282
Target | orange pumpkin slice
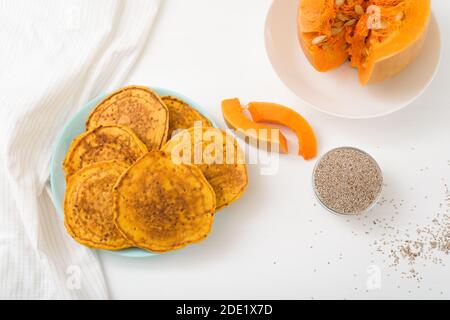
x: 251, y: 131
x: 281, y: 115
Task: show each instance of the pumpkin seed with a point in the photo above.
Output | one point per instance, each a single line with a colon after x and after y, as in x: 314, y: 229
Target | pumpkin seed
x: 341, y: 16
x: 400, y: 16
x: 335, y: 31
x: 383, y: 25
x: 365, y: 52
x: 338, y: 24
x: 319, y: 39
x: 350, y: 23
x: 359, y: 10
x: 339, y: 2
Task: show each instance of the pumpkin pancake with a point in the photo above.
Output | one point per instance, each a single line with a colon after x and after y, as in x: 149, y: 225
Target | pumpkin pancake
x: 162, y: 206
x: 182, y: 115
x: 218, y: 156
x: 88, y: 206
x: 138, y: 108
x: 101, y: 144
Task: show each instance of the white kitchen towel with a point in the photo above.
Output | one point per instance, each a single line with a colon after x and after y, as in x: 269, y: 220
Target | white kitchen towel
x: 54, y: 56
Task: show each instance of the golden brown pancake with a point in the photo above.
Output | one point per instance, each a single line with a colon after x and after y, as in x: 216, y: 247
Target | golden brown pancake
x: 162, y: 206
x: 219, y: 157
x: 101, y: 144
x: 138, y: 108
x: 88, y: 206
x: 182, y: 115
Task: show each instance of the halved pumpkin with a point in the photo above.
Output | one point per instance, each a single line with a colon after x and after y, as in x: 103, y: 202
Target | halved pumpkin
x: 380, y: 37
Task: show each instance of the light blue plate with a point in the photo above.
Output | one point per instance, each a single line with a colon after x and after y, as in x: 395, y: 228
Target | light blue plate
x: 75, y: 127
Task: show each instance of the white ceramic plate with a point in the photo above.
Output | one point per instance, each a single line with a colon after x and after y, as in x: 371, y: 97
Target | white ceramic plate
x: 338, y: 92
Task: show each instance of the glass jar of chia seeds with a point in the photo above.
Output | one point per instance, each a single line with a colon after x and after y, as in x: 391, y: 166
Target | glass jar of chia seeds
x: 347, y: 181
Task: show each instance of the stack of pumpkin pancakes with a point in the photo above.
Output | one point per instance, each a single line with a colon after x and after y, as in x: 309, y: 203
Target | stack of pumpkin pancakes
x: 129, y: 186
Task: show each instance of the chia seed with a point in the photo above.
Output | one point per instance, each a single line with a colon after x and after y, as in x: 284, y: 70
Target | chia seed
x: 347, y: 181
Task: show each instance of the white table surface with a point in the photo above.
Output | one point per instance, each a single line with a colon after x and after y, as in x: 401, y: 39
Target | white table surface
x: 276, y: 242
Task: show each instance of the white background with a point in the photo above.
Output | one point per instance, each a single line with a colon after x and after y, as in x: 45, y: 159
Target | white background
x: 276, y: 242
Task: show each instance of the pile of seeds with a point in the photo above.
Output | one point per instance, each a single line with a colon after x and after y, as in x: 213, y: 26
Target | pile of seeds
x: 347, y: 180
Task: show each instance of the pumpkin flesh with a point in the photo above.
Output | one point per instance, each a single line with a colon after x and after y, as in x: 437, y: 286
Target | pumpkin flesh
x: 379, y: 37
x: 274, y: 113
x: 254, y: 133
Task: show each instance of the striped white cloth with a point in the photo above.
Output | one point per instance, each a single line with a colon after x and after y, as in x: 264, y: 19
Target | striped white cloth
x: 54, y: 56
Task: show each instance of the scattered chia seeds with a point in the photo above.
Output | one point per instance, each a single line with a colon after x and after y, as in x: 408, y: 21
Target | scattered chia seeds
x: 347, y: 181
x: 425, y: 244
